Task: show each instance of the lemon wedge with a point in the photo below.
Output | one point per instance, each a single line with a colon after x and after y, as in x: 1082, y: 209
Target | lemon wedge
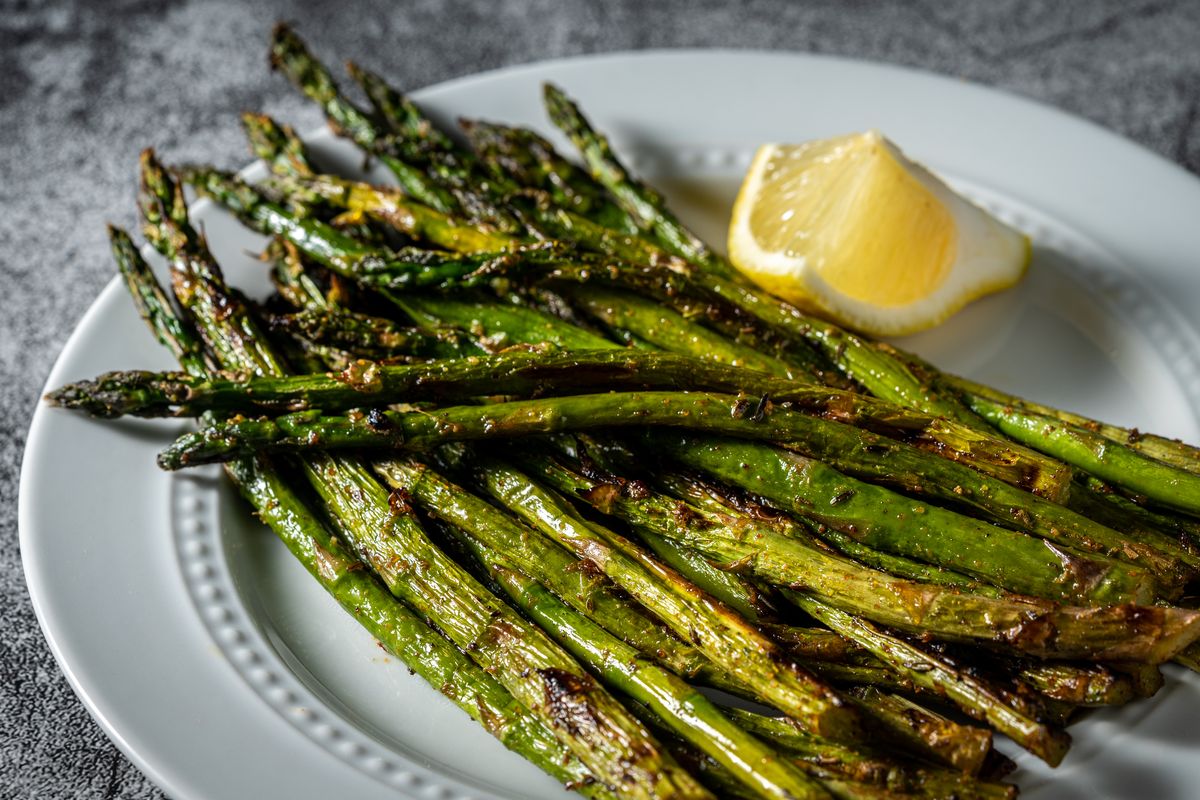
x: 851, y: 229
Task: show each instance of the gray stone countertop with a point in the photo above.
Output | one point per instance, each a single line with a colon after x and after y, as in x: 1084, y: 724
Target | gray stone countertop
x: 85, y: 85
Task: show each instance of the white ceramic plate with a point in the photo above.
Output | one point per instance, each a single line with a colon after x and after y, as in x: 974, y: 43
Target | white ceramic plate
x: 214, y: 662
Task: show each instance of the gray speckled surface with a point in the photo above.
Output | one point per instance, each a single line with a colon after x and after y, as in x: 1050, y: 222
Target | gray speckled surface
x: 83, y: 86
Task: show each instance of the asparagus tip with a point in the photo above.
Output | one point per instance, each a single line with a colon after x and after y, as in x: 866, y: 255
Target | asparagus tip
x: 283, y: 38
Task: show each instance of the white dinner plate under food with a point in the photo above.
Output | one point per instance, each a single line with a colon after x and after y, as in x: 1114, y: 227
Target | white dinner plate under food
x: 215, y: 662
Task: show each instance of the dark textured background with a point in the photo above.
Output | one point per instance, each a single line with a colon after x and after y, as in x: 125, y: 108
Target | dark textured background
x: 83, y: 86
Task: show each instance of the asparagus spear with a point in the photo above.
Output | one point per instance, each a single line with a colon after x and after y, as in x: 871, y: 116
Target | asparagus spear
x: 398, y: 113
x: 907, y: 527
x: 293, y: 280
x: 866, y: 765
x: 155, y: 308
x: 325, y: 558
x: 1099, y: 455
x: 525, y: 373
x: 936, y: 737
x: 812, y: 490
x: 403, y: 633
x: 684, y: 709
x: 1146, y: 634
x: 965, y: 690
x: 673, y: 601
x: 643, y: 204
x: 1090, y: 685
x: 1172, y: 452
x: 543, y: 678
x: 532, y: 161
x: 1005, y: 460
x: 1168, y: 532
x: 720, y: 634
x: 1078, y: 684
x: 366, y: 336
x: 670, y: 331
x: 290, y: 56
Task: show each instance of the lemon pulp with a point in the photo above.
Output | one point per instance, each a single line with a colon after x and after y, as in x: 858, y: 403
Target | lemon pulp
x: 851, y: 228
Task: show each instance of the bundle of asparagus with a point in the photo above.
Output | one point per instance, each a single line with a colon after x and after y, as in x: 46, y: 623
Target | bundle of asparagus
x: 708, y: 488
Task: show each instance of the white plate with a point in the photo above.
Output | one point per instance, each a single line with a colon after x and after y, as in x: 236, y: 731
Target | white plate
x: 223, y: 671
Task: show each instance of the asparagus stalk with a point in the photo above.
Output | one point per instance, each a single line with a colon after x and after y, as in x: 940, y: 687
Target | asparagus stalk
x: 723, y: 636
x: 1171, y: 452
x: 670, y: 331
x: 1006, y: 461
x: 865, y: 765
x: 290, y: 56
x: 1089, y: 685
x: 293, y: 280
x: 777, y: 686
x: 937, y: 738
x: 801, y: 485
x: 1170, y: 533
x: 1145, y: 634
x: 742, y: 597
x: 403, y: 633
x: 368, y: 337
x: 324, y: 556
x: 684, y: 709
x: 155, y: 308
x: 398, y: 113
x: 543, y: 678
x: 647, y: 208
x: 1096, y: 453
x: 913, y: 529
x: 532, y: 161
x: 965, y: 690
x: 1078, y: 684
